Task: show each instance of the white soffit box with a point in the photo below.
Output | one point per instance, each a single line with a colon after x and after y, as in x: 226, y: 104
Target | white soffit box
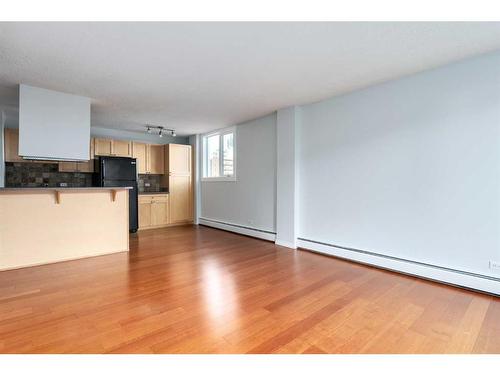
x: 53, y: 125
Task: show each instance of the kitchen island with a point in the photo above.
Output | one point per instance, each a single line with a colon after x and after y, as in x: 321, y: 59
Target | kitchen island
x: 46, y: 225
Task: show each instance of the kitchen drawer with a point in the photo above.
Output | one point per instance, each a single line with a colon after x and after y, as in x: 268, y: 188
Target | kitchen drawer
x: 148, y: 198
x: 160, y: 198
x: 145, y: 198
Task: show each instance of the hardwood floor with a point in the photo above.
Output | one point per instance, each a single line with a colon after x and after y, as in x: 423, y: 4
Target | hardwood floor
x: 201, y: 290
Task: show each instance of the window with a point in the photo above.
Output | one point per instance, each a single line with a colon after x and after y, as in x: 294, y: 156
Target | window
x: 219, y: 161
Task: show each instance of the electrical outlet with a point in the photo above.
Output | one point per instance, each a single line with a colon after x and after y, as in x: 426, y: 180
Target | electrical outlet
x: 147, y: 184
x: 63, y: 184
x: 495, y: 266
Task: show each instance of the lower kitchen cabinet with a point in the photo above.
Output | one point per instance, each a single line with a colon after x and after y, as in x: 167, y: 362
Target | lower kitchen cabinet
x: 181, y: 199
x: 144, y: 212
x: 153, y: 211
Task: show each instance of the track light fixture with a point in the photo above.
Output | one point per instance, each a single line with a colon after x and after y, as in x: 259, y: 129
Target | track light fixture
x: 161, y: 130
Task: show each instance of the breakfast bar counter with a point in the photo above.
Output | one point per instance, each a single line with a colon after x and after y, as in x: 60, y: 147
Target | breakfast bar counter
x: 46, y: 225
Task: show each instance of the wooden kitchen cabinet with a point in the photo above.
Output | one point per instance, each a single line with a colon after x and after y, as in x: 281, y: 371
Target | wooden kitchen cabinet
x: 159, y: 210
x: 121, y: 148
x: 153, y: 211
x: 156, y: 158
x: 181, y: 198
x: 11, y: 145
x: 68, y: 166
x: 144, y: 212
x: 139, y: 152
x: 175, y: 162
x: 73, y: 166
x: 150, y: 158
x: 11, y: 149
x: 179, y: 180
x: 83, y: 167
x: 178, y: 159
x: 103, y: 147
x: 112, y: 147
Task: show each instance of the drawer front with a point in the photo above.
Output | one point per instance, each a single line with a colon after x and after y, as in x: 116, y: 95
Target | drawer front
x: 145, y: 198
x: 160, y: 198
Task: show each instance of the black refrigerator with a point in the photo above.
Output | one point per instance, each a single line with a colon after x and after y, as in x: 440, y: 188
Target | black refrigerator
x: 113, y: 171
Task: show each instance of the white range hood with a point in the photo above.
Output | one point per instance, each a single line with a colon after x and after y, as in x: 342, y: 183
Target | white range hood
x: 53, y: 125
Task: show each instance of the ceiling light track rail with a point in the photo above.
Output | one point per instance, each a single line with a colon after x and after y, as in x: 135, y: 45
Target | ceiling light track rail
x: 161, y: 130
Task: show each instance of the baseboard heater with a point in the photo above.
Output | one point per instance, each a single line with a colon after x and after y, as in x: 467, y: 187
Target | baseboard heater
x: 237, y: 228
x: 451, y: 276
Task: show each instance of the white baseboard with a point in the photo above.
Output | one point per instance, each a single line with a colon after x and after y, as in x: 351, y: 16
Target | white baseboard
x: 290, y: 245
x: 448, y: 276
x: 236, y: 228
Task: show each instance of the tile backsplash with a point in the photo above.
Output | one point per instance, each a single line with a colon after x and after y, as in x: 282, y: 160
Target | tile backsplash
x: 148, y: 183
x: 43, y: 175
x: 48, y: 175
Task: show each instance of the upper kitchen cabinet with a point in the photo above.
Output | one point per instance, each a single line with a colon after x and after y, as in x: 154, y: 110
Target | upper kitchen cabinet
x: 83, y: 167
x: 122, y: 148
x: 150, y: 158
x: 103, y: 147
x: 139, y: 152
x: 178, y: 159
x: 156, y: 159
x: 72, y: 166
x: 112, y: 147
x: 11, y: 145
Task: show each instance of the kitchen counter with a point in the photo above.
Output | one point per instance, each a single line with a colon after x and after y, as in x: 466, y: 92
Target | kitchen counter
x: 47, y: 225
x: 153, y: 192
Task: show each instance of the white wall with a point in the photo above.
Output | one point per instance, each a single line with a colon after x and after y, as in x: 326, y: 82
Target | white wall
x: 287, y: 123
x: 409, y: 168
x: 251, y: 200
x: 194, y: 141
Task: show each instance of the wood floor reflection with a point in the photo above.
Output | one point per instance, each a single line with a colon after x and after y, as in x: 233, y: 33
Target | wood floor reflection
x: 201, y: 290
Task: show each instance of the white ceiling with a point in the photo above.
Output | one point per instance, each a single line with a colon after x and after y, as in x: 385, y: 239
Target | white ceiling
x: 196, y: 77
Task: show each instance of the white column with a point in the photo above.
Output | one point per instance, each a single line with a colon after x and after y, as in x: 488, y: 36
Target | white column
x: 286, y: 176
